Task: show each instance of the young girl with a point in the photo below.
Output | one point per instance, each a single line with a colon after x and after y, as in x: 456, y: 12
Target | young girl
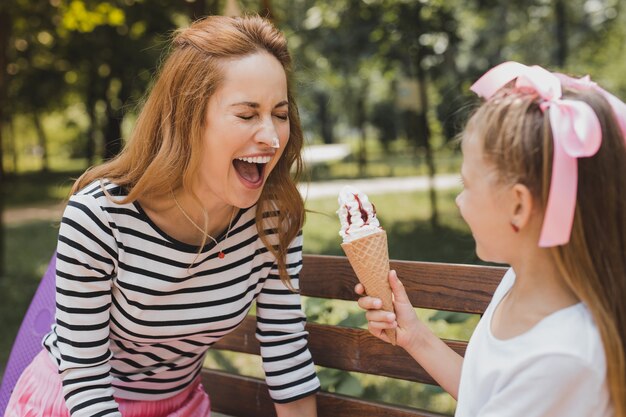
x: 163, y: 250
x: 544, y: 174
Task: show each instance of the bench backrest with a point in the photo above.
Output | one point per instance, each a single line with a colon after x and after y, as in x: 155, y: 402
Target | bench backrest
x: 458, y: 288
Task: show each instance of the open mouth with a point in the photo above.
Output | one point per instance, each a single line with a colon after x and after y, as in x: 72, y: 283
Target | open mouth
x: 251, y: 169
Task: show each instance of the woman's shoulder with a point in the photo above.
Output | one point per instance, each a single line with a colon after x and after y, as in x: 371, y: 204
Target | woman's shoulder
x: 101, y: 188
x: 99, y: 196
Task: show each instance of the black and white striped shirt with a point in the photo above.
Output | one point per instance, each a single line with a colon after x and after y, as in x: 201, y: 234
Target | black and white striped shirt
x: 137, y: 309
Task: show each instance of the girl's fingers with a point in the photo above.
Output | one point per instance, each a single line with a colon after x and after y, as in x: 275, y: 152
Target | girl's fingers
x: 359, y: 289
x: 399, y: 293
x: 379, y: 315
x: 379, y: 333
x: 370, y: 303
x: 376, y: 332
x: 381, y: 325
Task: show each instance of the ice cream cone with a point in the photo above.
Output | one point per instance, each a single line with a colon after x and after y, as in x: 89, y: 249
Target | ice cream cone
x: 369, y: 258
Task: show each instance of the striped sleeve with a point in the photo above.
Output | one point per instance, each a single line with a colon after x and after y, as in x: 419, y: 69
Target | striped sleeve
x: 287, y: 362
x: 86, y: 265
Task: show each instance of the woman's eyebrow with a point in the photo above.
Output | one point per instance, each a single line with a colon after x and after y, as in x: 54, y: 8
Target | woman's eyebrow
x: 254, y: 105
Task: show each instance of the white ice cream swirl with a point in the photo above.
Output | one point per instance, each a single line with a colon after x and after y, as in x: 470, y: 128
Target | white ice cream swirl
x: 356, y: 214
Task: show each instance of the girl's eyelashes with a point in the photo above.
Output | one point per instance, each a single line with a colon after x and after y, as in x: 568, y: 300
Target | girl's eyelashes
x: 245, y: 117
x: 462, y: 181
x: 282, y: 116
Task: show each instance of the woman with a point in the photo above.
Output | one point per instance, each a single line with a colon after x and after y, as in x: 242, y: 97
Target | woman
x: 162, y: 250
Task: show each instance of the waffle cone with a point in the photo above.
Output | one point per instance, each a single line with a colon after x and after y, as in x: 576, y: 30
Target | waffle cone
x: 369, y: 257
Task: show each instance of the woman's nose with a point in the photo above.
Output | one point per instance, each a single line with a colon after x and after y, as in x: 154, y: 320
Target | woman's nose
x: 268, y: 136
x: 269, y: 140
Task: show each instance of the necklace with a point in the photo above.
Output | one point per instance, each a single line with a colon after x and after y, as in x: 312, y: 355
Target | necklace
x: 220, y: 254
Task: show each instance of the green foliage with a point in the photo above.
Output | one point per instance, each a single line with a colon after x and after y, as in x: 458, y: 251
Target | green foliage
x: 351, y: 59
x: 317, y: 308
x: 70, y: 53
x: 451, y: 317
x: 341, y: 382
x: 75, y: 16
x: 354, y: 319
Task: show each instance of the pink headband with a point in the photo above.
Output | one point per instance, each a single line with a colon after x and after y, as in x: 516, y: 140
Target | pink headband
x: 576, y: 133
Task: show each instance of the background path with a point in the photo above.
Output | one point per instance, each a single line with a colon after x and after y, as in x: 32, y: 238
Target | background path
x: 313, y: 190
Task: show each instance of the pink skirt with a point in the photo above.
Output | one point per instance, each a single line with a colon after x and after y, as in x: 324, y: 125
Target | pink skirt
x: 38, y: 393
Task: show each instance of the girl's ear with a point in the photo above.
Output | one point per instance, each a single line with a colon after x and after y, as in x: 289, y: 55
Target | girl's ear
x: 521, y: 207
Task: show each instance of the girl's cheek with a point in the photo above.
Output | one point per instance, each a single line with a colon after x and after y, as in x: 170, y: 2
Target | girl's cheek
x: 457, y: 200
x: 460, y: 203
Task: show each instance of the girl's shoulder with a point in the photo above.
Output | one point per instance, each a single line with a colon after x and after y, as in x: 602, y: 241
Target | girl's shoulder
x: 570, y: 332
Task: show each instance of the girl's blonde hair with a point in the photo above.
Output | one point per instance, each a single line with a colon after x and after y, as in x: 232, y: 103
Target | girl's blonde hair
x: 165, y: 148
x: 517, y: 140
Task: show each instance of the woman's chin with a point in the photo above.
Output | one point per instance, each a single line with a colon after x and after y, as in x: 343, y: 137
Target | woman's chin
x: 247, y: 194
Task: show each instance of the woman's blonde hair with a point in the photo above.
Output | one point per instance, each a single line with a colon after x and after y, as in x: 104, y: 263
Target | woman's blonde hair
x: 164, y: 151
x: 517, y: 140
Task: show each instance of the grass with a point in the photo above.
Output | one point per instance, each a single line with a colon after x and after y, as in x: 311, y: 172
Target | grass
x: 28, y: 248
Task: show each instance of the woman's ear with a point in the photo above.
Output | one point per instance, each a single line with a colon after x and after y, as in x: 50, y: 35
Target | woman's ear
x: 521, y: 207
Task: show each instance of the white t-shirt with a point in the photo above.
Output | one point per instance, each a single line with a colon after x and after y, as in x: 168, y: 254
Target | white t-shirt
x: 557, y: 368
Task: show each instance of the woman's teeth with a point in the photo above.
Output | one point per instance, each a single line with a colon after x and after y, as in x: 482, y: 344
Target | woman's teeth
x: 256, y: 159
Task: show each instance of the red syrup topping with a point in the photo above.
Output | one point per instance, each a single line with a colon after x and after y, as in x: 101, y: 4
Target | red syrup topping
x: 349, y: 220
x: 362, y: 210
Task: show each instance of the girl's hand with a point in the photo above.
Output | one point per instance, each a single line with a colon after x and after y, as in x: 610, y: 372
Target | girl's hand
x: 404, y: 320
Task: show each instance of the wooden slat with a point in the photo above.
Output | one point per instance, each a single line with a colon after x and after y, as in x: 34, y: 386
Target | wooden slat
x: 237, y: 396
x: 374, y: 356
x: 241, y: 396
x: 463, y: 288
x: 357, y: 350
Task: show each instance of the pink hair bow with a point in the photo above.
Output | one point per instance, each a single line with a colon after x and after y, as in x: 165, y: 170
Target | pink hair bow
x: 576, y: 133
x: 618, y: 106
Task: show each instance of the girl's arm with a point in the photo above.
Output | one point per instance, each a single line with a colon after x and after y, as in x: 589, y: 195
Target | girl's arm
x: 440, y: 361
x: 304, y: 407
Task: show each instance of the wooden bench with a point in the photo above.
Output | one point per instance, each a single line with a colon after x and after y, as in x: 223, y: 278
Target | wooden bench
x: 458, y: 288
